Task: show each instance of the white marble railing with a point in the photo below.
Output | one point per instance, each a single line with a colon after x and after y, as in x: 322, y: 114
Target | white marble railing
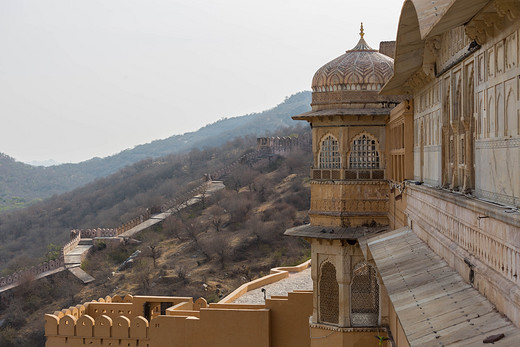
x: 484, y: 239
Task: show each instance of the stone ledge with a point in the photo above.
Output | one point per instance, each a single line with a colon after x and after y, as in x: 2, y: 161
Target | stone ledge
x: 490, y: 209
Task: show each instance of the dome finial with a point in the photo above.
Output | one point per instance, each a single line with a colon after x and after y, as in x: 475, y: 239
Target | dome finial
x: 361, y: 32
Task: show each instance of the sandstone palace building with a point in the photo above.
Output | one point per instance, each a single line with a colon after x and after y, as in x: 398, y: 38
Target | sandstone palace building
x: 415, y: 196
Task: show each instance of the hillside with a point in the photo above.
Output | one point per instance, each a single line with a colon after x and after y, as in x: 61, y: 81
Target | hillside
x: 206, y: 250
x: 21, y: 184
x: 108, y: 202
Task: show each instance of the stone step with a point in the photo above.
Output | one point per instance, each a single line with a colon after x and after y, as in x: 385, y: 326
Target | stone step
x: 81, y: 275
x: 86, y: 241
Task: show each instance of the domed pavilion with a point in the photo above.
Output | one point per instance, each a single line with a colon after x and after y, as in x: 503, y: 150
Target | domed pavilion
x: 349, y: 190
x: 353, y: 80
x: 348, y: 120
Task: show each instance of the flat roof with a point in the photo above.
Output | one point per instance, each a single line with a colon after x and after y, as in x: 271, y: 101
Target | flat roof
x: 334, y: 233
x: 343, y: 112
x: 296, y: 281
x: 433, y: 303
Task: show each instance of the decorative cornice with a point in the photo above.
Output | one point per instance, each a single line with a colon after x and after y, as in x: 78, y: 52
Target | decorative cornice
x: 508, y: 8
x: 477, y: 30
x: 350, y: 182
x: 484, y: 24
x: 420, y: 78
x: 345, y: 329
x: 498, y: 143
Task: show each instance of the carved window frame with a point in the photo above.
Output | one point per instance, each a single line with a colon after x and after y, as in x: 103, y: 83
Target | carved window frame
x: 365, y: 148
x: 329, y: 156
x: 370, y: 314
x: 328, y: 293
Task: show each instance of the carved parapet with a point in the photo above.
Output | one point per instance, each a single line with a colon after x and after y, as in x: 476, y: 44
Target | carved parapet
x: 85, y: 326
x: 121, y: 327
x: 51, y: 325
x: 67, y: 325
x: 117, y: 298
x: 69, y: 246
x: 139, y: 328
x: 103, y: 326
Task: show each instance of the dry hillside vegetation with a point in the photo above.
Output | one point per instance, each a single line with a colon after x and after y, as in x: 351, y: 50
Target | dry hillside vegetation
x: 22, y: 184
x: 206, y: 250
x: 25, y: 234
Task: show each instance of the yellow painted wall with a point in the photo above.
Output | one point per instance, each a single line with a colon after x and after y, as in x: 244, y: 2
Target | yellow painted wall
x: 323, y: 337
x: 282, y: 322
x: 290, y: 320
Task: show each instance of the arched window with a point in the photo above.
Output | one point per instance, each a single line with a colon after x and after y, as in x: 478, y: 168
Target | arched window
x: 364, y: 154
x: 329, y: 294
x: 364, y: 296
x: 329, y: 153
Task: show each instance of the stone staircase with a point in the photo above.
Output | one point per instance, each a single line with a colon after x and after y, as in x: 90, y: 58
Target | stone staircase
x: 74, y: 258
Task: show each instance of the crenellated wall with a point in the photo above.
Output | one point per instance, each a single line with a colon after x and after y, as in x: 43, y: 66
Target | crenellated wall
x: 122, y: 322
x: 76, y: 234
x: 283, y: 145
x: 32, y: 272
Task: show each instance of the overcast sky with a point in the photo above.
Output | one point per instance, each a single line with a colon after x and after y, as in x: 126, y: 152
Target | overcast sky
x: 80, y: 79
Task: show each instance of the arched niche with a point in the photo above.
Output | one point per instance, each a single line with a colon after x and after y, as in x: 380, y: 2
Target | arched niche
x: 329, y: 156
x: 364, y: 152
x: 364, y: 296
x: 328, y: 294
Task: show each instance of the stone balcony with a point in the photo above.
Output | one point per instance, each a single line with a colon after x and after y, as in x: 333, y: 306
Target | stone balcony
x: 347, y: 174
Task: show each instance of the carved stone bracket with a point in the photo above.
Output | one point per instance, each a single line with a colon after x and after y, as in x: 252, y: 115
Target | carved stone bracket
x: 433, y: 45
x: 421, y: 77
x: 484, y: 24
x: 478, y: 30
x: 493, y: 20
x: 508, y: 8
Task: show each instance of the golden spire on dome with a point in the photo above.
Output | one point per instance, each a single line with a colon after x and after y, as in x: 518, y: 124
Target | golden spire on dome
x: 362, y: 45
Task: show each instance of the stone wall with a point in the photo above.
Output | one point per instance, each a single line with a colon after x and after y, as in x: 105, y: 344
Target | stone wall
x: 349, y: 203
x: 42, y: 268
x: 283, y: 145
x: 120, y: 321
x: 32, y: 272
x: 478, y: 239
x: 177, y: 202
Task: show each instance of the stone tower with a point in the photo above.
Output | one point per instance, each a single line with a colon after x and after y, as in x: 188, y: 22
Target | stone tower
x: 349, y: 191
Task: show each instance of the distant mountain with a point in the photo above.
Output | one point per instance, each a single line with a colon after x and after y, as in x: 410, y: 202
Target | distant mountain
x: 49, y: 162
x: 21, y: 183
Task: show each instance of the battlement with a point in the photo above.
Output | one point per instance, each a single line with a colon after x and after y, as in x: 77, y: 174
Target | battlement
x: 176, y: 321
x: 283, y: 145
x: 32, y: 272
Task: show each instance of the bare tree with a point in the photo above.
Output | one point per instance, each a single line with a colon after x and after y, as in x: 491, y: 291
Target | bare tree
x: 154, y: 253
x: 174, y: 226
x: 217, y: 219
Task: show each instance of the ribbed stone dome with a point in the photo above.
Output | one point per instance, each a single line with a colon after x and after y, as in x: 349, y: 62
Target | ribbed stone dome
x: 361, y: 68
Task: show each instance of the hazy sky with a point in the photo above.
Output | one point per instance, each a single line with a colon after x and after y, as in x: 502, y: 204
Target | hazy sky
x: 80, y: 79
